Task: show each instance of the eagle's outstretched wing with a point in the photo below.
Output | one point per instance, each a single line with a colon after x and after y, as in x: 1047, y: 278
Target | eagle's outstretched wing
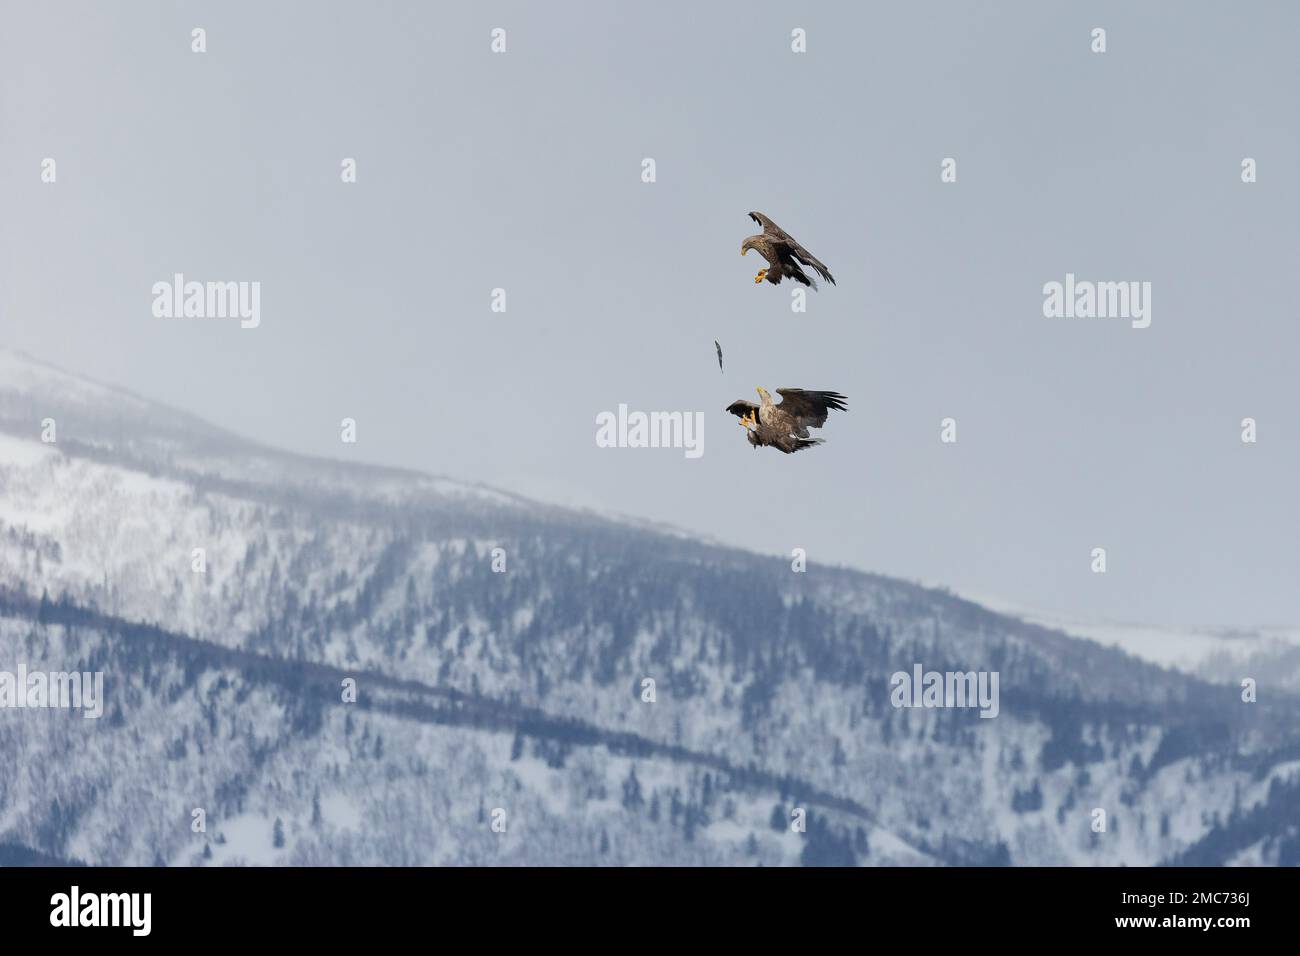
x: 774, y: 231
x: 808, y: 259
x: 810, y: 409
x: 770, y: 228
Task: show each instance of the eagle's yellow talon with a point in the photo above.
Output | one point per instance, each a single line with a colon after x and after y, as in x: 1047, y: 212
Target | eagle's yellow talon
x: 762, y: 274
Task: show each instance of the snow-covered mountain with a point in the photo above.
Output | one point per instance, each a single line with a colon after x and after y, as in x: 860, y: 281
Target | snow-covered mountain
x: 1218, y: 655
x: 501, y: 651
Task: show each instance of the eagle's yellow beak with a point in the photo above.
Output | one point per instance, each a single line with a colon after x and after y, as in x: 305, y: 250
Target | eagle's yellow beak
x: 743, y: 250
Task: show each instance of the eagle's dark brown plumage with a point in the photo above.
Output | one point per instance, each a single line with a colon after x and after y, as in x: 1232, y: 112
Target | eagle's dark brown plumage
x: 783, y: 255
x: 785, y: 426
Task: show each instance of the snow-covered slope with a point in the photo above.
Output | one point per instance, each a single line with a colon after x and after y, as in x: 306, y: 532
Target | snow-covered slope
x: 227, y: 591
x: 1217, y: 655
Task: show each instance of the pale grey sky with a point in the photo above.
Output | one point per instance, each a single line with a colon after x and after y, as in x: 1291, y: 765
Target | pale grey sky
x: 522, y: 171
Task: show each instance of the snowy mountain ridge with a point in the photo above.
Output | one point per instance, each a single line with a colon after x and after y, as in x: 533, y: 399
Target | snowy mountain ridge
x: 523, y: 688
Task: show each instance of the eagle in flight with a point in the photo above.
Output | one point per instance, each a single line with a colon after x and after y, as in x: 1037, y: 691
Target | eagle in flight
x: 785, y: 426
x: 783, y: 255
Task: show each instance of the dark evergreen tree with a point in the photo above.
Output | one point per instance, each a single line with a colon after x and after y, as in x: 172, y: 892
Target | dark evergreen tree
x: 632, y: 799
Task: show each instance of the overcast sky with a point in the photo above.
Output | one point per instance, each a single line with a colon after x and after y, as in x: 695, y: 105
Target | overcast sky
x: 522, y: 170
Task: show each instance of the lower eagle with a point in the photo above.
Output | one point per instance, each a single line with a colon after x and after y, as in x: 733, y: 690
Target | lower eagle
x: 785, y: 426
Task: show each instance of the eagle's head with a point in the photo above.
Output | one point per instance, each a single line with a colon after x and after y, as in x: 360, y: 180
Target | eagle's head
x: 763, y: 394
x: 747, y: 245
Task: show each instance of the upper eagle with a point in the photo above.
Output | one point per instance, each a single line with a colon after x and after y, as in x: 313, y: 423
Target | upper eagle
x: 785, y: 426
x: 783, y: 255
